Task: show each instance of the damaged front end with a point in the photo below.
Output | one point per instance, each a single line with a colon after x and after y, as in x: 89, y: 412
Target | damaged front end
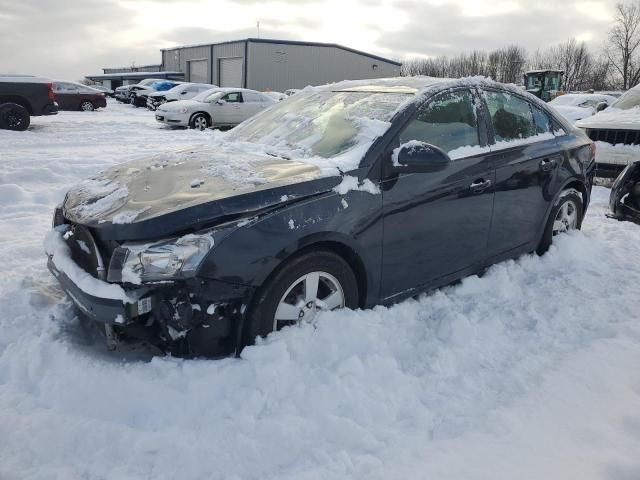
x: 150, y: 292
x: 624, y: 200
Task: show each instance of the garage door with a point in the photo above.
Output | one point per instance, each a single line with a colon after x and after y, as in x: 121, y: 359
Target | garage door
x: 198, y: 71
x: 231, y: 72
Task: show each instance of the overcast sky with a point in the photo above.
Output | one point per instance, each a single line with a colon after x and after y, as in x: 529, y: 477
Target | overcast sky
x: 67, y: 39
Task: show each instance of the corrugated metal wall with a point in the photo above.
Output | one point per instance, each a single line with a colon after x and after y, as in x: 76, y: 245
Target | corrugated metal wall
x: 280, y: 66
x: 176, y: 59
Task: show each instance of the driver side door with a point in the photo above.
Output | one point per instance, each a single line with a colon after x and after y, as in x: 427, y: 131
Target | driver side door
x: 436, y: 225
x: 229, y: 113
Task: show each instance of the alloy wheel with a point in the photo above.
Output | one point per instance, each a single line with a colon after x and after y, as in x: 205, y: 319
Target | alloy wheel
x: 566, y: 217
x: 313, y: 292
x: 200, y: 122
x: 86, y: 107
x: 12, y: 118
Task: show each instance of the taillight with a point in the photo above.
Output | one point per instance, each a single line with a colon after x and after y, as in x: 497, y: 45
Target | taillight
x: 593, y: 149
x: 50, y: 91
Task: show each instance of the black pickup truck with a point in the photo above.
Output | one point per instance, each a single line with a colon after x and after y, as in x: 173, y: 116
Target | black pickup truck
x: 22, y: 96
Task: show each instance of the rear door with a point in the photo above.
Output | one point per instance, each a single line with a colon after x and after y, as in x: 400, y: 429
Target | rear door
x: 66, y: 94
x: 526, y: 157
x: 436, y: 225
x: 252, y: 104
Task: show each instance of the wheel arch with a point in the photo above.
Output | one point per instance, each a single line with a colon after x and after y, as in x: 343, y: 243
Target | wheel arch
x: 17, y: 99
x: 201, y: 112
x: 334, y: 243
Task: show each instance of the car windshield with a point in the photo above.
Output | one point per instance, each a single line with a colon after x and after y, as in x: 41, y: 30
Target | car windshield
x: 324, y: 124
x: 631, y: 99
x: 208, y: 96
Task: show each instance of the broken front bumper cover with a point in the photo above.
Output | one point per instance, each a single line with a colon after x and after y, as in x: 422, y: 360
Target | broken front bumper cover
x: 104, y: 310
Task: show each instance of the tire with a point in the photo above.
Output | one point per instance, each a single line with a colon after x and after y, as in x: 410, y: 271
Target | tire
x: 14, y: 117
x: 571, y: 200
x: 87, y: 106
x: 199, y: 121
x: 285, y: 286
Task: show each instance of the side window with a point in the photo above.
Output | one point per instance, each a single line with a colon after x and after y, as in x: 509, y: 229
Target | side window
x: 235, y: 97
x: 511, y: 117
x: 541, y: 120
x: 449, y: 121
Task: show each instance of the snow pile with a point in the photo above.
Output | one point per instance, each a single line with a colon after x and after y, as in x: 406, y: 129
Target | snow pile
x: 528, y: 372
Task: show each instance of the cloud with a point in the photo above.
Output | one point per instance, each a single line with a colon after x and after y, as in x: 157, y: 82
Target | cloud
x: 72, y: 38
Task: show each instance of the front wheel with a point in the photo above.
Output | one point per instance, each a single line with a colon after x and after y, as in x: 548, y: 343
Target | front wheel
x: 313, y: 282
x: 87, y: 106
x: 14, y: 117
x: 199, y: 121
x: 565, y: 215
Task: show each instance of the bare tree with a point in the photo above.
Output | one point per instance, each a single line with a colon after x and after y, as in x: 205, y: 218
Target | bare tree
x: 623, y: 43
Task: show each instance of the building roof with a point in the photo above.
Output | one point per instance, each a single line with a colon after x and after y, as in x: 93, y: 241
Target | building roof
x: 289, y: 42
x: 135, y: 75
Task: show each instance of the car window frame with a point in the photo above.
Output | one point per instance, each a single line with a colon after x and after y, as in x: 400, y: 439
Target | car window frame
x: 240, y: 99
x: 489, y: 122
x: 480, y: 118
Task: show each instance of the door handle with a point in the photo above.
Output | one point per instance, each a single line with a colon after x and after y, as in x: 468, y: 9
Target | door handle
x: 480, y: 185
x: 548, y: 164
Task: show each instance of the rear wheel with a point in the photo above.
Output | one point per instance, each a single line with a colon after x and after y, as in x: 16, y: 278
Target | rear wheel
x: 313, y: 282
x: 565, y: 215
x: 87, y: 106
x: 199, y: 121
x: 14, y: 117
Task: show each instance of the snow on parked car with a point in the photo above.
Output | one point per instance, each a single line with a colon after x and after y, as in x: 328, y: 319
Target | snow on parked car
x: 576, y: 106
x: 270, y: 187
x: 216, y: 107
x: 182, y: 91
x: 616, y: 132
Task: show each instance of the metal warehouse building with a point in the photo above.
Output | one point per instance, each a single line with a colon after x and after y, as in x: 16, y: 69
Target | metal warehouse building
x: 278, y: 65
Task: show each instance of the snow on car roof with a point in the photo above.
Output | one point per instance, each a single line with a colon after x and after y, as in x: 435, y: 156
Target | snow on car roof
x: 17, y: 78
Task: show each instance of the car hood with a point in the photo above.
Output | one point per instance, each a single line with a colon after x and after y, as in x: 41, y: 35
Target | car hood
x: 173, y: 107
x: 574, y: 113
x: 189, y: 189
x: 613, y: 118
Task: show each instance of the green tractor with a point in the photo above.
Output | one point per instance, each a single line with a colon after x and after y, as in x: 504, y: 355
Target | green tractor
x: 544, y: 84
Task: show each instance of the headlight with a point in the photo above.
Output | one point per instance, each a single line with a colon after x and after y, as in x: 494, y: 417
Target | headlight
x: 167, y: 259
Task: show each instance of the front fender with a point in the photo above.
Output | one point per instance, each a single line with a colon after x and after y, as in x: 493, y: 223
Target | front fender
x: 253, y: 251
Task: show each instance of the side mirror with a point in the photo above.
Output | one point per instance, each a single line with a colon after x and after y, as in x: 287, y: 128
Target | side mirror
x: 419, y: 157
x: 601, y: 106
x: 220, y: 101
x: 183, y: 92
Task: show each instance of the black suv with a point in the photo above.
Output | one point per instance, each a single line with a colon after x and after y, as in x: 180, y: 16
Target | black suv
x: 22, y: 96
x: 351, y: 195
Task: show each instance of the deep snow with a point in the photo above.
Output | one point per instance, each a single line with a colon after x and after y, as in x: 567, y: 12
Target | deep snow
x: 529, y: 372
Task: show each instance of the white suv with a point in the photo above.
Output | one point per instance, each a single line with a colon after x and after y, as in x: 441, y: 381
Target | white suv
x: 616, y: 132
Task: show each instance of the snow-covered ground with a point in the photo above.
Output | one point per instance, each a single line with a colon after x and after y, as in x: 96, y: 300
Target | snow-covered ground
x: 530, y: 372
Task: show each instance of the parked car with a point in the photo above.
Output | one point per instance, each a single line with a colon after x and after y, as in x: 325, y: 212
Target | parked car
x: 23, y: 96
x: 350, y: 195
x: 576, y: 106
x: 122, y: 93
x: 75, y: 96
x: 217, y: 107
x: 624, y: 200
x: 138, y: 94
x: 107, y: 91
x: 182, y: 91
x: 617, y: 133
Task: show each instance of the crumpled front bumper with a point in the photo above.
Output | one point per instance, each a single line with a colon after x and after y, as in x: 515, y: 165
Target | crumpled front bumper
x: 104, y: 310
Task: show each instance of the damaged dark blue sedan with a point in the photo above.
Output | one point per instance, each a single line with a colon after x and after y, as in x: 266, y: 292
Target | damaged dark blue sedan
x: 349, y: 195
